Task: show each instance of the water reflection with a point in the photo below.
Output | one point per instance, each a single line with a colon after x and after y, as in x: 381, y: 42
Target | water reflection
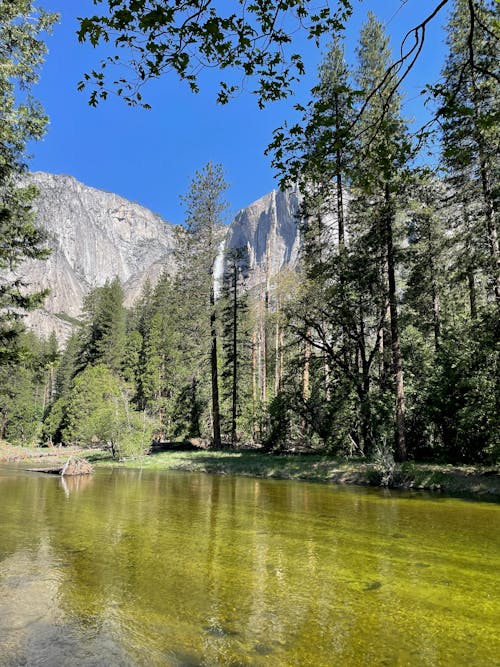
x: 132, y: 567
x: 75, y: 483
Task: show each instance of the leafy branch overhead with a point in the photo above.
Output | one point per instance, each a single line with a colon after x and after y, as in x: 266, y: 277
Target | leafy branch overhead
x: 259, y: 40
x: 256, y: 39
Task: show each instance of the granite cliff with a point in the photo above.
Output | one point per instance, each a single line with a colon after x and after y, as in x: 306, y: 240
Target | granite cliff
x: 96, y: 235
x: 268, y: 227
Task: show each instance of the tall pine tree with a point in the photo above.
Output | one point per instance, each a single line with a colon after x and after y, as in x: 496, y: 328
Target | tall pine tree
x: 21, y: 53
x: 383, y: 150
x: 199, y: 246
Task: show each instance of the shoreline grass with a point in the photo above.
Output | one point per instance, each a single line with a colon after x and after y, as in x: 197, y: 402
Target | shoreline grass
x: 474, y: 481
x: 322, y: 468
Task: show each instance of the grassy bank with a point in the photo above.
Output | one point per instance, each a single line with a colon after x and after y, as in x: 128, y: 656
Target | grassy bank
x: 322, y: 468
x: 51, y: 455
x: 483, y: 482
x: 453, y: 480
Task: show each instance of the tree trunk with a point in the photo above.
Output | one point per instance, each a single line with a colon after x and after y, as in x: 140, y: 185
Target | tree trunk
x: 234, y: 397
x: 328, y: 392
x: 3, y: 425
x: 471, y: 280
x: 306, y: 373
x: 491, y: 226
x: 215, y: 375
x: 395, y: 340
x: 277, y: 371
x: 341, y: 239
x: 259, y: 361
x: 161, y: 391
x: 384, y: 364
x: 195, y: 420
x: 306, y: 384
x: 436, y: 315
x: 363, y: 387
x: 338, y: 166
x: 254, y: 381
x: 472, y: 292
x: 282, y: 359
x: 489, y: 205
x: 436, y: 301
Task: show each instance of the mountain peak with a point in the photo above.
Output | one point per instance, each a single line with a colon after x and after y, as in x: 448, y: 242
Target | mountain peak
x: 96, y: 236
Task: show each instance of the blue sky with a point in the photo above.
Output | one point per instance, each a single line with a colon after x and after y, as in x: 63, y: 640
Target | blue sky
x: 151, y: 156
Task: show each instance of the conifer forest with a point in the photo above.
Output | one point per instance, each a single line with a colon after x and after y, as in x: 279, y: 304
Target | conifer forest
x: 381, y: 342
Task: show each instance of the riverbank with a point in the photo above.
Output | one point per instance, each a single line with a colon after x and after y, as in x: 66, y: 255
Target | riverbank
x: 18, y: 454
x: 475, y: 481
x: 453, y: 480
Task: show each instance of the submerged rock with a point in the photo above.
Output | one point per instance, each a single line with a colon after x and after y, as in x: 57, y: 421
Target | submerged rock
x: 375, y: 585
x: 219, y: 631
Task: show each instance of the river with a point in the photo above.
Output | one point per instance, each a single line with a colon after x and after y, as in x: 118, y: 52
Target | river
x: 130, y: 567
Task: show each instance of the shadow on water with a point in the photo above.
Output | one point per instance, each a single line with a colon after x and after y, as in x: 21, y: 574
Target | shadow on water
x: 314, y: 467
x: 150, y: 568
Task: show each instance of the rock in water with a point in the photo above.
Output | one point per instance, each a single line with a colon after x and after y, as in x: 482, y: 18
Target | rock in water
x: 76, y: 466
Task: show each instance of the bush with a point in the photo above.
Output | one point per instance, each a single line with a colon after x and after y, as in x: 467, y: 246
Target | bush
x: 134, y: 436
x: 383, y: 458
x: 98, y: 413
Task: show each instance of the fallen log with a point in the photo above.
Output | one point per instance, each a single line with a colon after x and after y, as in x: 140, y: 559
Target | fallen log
x: 73, y: 466
x: 76, y: 466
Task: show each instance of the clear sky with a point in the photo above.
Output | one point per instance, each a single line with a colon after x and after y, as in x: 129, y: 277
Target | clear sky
x: 151, y: 156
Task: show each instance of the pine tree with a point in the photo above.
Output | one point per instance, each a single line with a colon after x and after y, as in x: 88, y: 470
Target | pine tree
x: 234, y: 300
x: 469, y: 102
x: 315, y: 153
x: 23, y: 120
x: 460, y: 400
x: 383, y: 150
x: 199, y: 245
x: 171, y: 371
x: 98, y: 413
x: 150, y: 380
x: 67, y: 367
x: 26, y: 388
x: 103, y: 336
x: 426, y: 260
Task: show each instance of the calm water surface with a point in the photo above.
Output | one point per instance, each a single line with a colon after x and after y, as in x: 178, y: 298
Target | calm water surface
x: 160, y: 568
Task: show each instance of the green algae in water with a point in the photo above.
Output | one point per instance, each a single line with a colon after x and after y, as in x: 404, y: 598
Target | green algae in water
x: 145, y: 568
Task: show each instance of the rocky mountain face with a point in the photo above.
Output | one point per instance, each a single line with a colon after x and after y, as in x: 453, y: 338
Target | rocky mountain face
x: 268, y: 230
x: 96, y: 235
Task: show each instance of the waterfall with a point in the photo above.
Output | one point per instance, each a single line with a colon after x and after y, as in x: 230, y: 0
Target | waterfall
x: 219, y: 268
